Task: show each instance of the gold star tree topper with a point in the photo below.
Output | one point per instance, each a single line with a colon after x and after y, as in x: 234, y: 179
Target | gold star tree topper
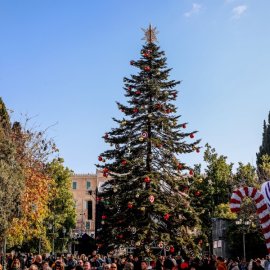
x: 150, y: 34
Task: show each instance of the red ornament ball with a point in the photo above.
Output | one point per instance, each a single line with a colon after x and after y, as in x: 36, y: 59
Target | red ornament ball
x: 184, y: 125
x: 124, y: 162
x: 147, y: 179
x: 197, y: 193
x: 138, y: 92
x: 166, y: 216
x: 179, y: 166
x: 132, y: 62
x: 106, y: 136
x: 130, y: 88
x: 135, y: 110
x: 171, y: 249
x: 105, y: 174
x: 105, y: 170
x: 190, y: 172
x: 147, y: 68
x: 191, y: 135
x: 198, y: 150
x: 146, y: 55
x: 130, y: 205
x: 100, y: 158
x: 103, y: 217
x: 185, y: 189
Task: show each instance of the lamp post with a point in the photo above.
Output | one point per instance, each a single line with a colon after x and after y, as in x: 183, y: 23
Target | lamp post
x: 51, y: 227
x: 64, y: 230
x: 244, y: 224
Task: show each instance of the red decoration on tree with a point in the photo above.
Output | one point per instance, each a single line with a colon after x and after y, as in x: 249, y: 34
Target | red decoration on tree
x: 179, y: 166
x: 132, y: 62
x: 147, y: 179
x: 198, y: 150
x: 147, y: 68
x: 105, y: 170
x: 103, y: 217
x: 191, y: 135
x: 124, y: 162
x: 197, y: 193
x: 190, y: 172
x: 135, y: 110
x: 185, y: 189
x: 130, y: 205
x: 100, y: 158
x: 168, y: 111
x: 184, y: 125
x: 166, y: 216
x: 130, y: 88
x: 146, y: 55
x: 106, y: 136
x: 158, y: 106
x: 151, y: 198
x: 171, y: 249
x: 120, y: 236
x: 122, y: 110
x: 174, y: 95
x: 138, y: 92
x: 105, y: 174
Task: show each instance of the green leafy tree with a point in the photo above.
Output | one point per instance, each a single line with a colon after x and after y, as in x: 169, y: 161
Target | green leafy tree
x: 265, y: 146
x: 11, y: 177
x: 264, y: 168
x: 62, y: 213
x: 245, y: 175
x: 144, y: 202
x: 218, y: 175
x: 210, y: 191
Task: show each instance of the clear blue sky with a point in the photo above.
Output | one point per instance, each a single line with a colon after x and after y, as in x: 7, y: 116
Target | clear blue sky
x: 64, y: 62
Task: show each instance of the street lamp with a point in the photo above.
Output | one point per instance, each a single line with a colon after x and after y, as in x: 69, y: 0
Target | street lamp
x: 244, y: 224
x: 51, y: 227
x: 64, y: 230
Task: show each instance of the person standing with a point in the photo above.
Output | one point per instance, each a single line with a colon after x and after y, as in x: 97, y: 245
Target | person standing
x: 220, y: 264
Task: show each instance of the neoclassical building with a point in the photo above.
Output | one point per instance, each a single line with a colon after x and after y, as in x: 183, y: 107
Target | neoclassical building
x: 84, y: 188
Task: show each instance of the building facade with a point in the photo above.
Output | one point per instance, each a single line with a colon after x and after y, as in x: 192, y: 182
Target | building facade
x: 219, y: 237
x: 84, y: 189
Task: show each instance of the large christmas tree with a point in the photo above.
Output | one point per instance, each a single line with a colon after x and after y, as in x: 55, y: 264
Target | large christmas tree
x: 144, y: 202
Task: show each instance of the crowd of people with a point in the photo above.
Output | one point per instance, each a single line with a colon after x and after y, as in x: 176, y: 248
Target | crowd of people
x: 99, y: 262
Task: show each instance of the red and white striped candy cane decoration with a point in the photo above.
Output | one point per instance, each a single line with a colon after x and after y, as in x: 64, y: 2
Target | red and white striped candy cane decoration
x: 262, y: 209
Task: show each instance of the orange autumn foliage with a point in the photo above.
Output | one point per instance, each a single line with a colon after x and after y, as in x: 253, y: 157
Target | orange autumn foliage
x: 31, y: 154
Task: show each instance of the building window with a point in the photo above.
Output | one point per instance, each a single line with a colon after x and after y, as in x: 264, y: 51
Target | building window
x: 74, y: 185
x: 89, y: 210
x: 88, y: 185
x: 87, y: 225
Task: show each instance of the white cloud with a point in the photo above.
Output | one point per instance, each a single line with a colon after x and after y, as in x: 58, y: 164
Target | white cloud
x: 195, y: 9
x: 239, y: 11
